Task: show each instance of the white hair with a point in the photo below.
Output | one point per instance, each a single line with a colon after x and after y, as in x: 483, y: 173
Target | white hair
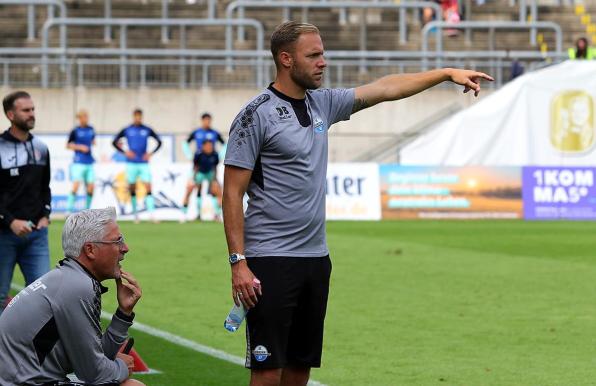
x: 83, y: 227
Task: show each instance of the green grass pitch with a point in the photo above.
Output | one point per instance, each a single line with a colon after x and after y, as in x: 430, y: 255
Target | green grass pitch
x: 411, y: 303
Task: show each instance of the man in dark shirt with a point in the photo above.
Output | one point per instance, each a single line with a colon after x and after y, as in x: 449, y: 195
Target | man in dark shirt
x: 199, y: 136
x: 24, y: 195
x: 204, y: 170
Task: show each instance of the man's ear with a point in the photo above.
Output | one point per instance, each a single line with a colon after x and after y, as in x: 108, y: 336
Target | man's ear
x: 10, y: 115
x: 89, y: 250
x: 286, y: 59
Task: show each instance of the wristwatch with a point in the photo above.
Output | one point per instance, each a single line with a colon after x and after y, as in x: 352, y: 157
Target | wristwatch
x: 236, y: 257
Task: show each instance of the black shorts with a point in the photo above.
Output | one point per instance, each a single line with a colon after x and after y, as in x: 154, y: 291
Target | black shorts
x: 285, y: 328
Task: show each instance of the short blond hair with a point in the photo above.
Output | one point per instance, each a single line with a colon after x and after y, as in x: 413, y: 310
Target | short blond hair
x: 286, y: 35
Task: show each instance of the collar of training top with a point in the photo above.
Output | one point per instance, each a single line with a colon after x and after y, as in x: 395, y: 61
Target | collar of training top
x: 68, y: 259
x: 9, y: 137
x: 283, y: 96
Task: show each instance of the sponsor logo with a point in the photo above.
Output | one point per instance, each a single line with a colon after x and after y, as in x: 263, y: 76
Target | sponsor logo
x: 37, y: 285
x: 260, y: 353
x: 14, y: 172
x: 318, y: 125
x: 572, y: 121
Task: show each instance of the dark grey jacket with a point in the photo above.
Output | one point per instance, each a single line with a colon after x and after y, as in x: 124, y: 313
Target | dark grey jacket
x: 24, y: 180
x: 51, y: 329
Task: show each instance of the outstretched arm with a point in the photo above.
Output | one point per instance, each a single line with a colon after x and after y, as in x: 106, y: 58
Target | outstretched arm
x: 394, y: 87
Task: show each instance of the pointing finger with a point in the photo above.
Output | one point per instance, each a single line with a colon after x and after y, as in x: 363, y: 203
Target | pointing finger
x: 485, y: 76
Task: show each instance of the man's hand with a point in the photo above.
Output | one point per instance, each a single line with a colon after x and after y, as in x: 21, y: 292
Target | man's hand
x: 21, y: 227
x: 129, y: 154
x: 128, y: 292
x: 147, y: 156
x: 128, y: 360
x: 42, y: 223
x: 468, y: 78
x: 243, y: 285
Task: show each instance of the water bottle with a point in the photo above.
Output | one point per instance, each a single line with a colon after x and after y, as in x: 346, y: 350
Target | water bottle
x: 235, y: 318
x: 237, y: 313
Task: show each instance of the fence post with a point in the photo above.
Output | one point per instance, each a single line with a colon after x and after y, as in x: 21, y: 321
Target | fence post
x: 403, y: 28
x: 143, y: 75
x: 182, y: 65
x: 164, y: 15
x: 211, y: 9
x: 241, y: 34
x: 123, y: 61
x: 80, y: 73
x: 363, y: 37
x: 107, y: 30
x: 6, y: 74
x: 30, y: 22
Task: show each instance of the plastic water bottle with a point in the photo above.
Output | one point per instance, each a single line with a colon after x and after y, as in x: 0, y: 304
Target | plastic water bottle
x: 238, y: 313
x: 235, y: 318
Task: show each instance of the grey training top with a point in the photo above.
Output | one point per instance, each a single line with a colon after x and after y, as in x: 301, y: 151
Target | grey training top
x: 286, y: 149
x: 51, y: 328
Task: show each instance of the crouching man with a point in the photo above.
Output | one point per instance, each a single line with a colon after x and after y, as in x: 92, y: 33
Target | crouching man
x: 52, y: 328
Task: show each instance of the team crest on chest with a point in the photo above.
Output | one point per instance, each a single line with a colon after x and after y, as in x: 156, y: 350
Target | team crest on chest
x: 318, y: 125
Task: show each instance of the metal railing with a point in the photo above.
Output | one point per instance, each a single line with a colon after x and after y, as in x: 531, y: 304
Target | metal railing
x: 438, y: 26
x: 124, y: 52
x: 195, y: 73
x: 241, y: 5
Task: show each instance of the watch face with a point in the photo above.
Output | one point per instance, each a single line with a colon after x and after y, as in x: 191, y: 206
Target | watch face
x: 233, y: 258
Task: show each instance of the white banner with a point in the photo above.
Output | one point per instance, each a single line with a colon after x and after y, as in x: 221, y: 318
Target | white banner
x: 169, y: 182
x: 352, y: 191
x: 545, y: 117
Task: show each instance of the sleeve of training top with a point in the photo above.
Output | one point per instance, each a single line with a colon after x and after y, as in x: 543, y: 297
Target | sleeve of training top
x: 93, y: 135
x: 116, y: 333
x: 46, y: 193
x: 117, y: 138
x: 154, y: 135
x: 339, y: 103
x: 247, y: 136
x: 71, y: 137
x: 80, y: 334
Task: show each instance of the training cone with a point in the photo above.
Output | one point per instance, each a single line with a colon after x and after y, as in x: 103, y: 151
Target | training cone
x: 140, y: 365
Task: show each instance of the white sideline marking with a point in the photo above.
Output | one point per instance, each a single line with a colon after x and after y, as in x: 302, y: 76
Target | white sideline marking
x: 180, y: 341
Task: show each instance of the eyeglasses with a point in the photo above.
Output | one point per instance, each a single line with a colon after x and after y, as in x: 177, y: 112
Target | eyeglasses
x: 119, y: 241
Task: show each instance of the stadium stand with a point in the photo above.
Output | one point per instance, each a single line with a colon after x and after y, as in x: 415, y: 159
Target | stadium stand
x: 368, y: 42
